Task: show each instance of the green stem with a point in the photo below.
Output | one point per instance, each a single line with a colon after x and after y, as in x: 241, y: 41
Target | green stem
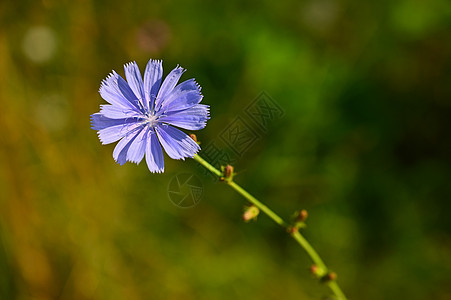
x: 297, y: 236
x: 257, y: 203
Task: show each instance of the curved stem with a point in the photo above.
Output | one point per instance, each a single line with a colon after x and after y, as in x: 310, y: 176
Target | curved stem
x: 257, y: 203
x: 297, y: 236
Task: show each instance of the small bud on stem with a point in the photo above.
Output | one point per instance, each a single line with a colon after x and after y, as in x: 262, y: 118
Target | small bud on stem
x: 194, y: 137
x: 314, y: 269
x: 329, y: 277
x: 318, y: 272
x: 299, y: 218
x: 302, y: 216
x: 292, y: 229
x: 319, y: 269
x: 227, y: 172
x: 250, y: 213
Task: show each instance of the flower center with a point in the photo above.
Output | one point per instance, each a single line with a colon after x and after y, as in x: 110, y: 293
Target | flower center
x: 152, y: 120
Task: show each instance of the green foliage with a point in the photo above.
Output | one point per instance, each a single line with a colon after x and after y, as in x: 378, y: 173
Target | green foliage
x: 364, y: 146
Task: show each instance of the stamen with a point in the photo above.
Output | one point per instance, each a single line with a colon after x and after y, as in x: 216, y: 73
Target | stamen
x: 152, y: 119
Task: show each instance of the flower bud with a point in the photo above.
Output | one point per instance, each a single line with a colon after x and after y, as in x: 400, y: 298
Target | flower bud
x: 250, y: 213
x: 314, y: 269
x: 292, y: 229
x: 227, y: 172
x: 318, y: 272
x: 329, y: 277
x: 299, y: 218
x: 194, y: 137
x: 301, y: 215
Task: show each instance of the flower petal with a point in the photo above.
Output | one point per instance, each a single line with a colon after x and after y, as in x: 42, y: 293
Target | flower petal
x: 99, y: 121
x: 152, y: 81
x: 114, y: 133
x: 127, y: 92
x: 121, y: 149
x: 168, y: 85
x: 137, y: 148
x: 177, y: 144
x: 184, y: 95
x: 154, y: 153
x: 110, y: 92
x: 193, y: 118
x: 135, y: 80
x: 117, y: 112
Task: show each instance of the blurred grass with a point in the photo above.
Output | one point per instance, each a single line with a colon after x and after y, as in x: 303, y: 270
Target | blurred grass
x: 364, y: 146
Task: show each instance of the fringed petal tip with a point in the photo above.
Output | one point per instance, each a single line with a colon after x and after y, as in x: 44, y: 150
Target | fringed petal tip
x: 199, y: 88
x: 158, y: 61
x: 92, y: 121
x: 109, y: 80
x: 193, y: 118
x: 188, y: 155
x: 154, y: 154
x: 130, y: 63
x: 157, y: 171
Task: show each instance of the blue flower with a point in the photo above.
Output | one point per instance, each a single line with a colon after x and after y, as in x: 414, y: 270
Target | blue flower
x: 141, y: 115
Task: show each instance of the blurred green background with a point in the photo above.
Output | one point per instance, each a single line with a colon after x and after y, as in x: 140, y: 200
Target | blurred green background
x: 364, y: 146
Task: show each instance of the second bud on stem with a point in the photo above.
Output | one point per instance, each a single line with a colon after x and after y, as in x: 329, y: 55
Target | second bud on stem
x: 227, y: 172
x: 250, y: 213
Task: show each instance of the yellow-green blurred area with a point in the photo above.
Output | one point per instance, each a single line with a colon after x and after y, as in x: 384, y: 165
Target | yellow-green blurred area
x: 363, y: 145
